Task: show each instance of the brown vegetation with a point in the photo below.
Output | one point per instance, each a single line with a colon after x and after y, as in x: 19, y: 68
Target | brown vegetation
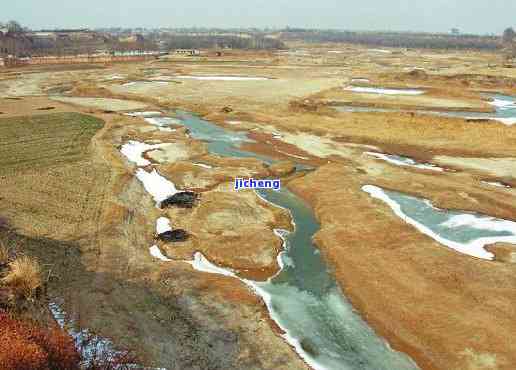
x: 23, y: 278
x: 26, y: 345
x: 4, y: 254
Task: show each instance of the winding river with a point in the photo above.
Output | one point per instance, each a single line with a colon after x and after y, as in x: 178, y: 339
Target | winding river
x: 304, y: 298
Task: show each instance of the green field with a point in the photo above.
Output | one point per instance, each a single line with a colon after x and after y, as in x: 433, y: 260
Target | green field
x: 45, y: 140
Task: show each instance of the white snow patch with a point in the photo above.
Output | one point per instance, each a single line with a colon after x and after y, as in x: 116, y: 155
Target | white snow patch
x: 132, y: 83
x: 163, y: 225
x: 234, y: 122
x: 163, y: 122
x: 222, y: 78
x: 292, y: 155
x: 362, y: 80
x: 156, y: 253
x: 409, y: 162
x: 201, y: 263
x: 202, y: 165
x: 133, y: 151
x: 378, y: 90
x: 503, y: 104
x: 496, y: 183
x: 380, y: 51
x: 91, y: 346
x: 481, y: 223
x: 143, y: 114
x: 161, y: 78
x: 506, y: 121
x: 156, y: 185
x: 475, y: 248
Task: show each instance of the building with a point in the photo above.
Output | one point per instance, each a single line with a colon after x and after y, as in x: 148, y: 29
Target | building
x: 188, y: 52
x: 131, y: 39
x: 12, y: 45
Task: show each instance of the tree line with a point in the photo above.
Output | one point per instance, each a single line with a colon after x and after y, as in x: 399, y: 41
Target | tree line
x: 395, y: 39
x: 252, y: 42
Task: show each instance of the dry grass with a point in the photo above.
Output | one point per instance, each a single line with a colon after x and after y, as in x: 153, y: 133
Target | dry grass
x: 23, y: 278
x: 4, y: 254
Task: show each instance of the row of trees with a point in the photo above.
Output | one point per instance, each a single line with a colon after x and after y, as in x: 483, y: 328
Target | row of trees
x: 396, y: 39
x: 179, y: 41
x: 12, y: 27
x: 509, y: 41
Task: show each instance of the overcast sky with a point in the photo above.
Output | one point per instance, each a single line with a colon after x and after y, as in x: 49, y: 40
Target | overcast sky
x: 474, y: 16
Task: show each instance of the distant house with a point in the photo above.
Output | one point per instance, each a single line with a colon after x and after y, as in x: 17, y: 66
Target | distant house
x: 131, y: 38
x: 188, y: 52
x: 13, y: 44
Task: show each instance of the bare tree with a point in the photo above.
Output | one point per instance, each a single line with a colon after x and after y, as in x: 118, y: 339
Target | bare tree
x: 509, y: 41
x: 509, y: 36
x: 14, y: 27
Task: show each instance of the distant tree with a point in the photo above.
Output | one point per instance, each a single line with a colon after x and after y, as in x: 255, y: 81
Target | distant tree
x: 14, y: 27
x: 508, y: 35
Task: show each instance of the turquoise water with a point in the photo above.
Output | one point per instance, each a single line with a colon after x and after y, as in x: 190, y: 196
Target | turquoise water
x: 465, y: 232
x: 304, y: 298
x: 501, y: 112
x: 436, y: 220
x: 220, y: 141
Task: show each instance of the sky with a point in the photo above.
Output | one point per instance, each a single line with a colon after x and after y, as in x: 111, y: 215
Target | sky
x: 470, y: 16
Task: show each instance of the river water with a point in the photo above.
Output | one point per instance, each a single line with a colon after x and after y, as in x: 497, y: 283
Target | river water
x: 304, y: 298
x: 504, y: 105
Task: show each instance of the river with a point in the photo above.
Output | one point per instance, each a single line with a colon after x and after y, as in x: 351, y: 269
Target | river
x: 304, y: 298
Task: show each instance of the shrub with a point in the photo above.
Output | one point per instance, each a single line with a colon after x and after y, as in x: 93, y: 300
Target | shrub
x: 59, y: 347
x: 23, y: 277
x: 27, y: 346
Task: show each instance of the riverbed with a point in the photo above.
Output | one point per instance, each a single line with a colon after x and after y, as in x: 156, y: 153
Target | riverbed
x: 304, y: 298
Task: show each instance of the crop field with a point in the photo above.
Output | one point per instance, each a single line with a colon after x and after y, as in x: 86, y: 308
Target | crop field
x: 45, y: 140
x: 46, y: 174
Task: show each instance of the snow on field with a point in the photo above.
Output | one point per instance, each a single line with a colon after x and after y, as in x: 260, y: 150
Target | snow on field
x: 222, y: 78
x: 379, y: 90
x: 156, y: 185
x: 405, y: 161
x: 163, y: 122
x: 360, y: 80
x: 503, y: 104
x: 379, y: 51
x: 156, y: 253
x: 201, y: 263
x: 163, y: 225
x: 497, y: 184
x: 506, y: 121
x: 202, y: 165
x: 143, y: 114
x: 133, y: 151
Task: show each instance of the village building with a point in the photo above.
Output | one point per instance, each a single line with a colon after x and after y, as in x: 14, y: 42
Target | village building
x: 13, y: 44
x: 188, y: 52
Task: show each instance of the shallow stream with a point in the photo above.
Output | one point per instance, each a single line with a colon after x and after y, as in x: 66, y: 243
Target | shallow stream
x: 304, y: 298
